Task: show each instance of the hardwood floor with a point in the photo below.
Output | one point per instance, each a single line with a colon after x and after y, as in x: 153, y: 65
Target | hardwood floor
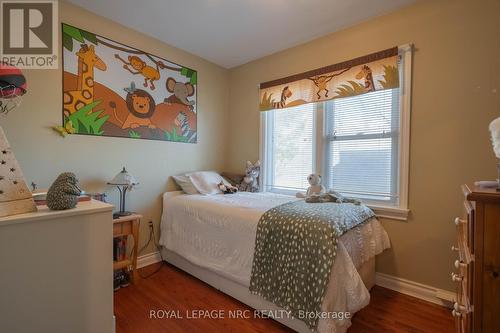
x: 172, y: 289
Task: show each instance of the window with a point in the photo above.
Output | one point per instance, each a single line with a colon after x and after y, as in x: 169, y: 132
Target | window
x: 358, y: 144
x: 361, y: 139
x: 290, y: 148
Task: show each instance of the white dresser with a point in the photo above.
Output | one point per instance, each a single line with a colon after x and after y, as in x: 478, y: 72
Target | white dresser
x: 56, y: 270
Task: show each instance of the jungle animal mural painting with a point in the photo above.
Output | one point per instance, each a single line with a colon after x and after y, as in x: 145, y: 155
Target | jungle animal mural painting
x: 110, y: 89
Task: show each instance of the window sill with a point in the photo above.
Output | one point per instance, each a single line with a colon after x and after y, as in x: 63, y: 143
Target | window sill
x: 393, y: 213
x: 386, y: 212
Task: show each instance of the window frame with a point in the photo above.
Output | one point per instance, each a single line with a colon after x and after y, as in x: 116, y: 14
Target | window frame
x: 320, y: 144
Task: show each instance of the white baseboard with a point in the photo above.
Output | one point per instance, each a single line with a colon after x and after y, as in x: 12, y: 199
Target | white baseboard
x: 148, y: 259
x: 415, y: 289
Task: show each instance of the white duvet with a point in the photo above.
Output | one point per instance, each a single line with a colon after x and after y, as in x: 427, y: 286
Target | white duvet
x: 217, y: 232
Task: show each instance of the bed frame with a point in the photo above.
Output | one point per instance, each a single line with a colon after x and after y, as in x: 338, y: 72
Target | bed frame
x: 240, y: 292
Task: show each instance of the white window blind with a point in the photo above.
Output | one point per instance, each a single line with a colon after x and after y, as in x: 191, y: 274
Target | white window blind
x: 361, y: 151
x: 289, y: 148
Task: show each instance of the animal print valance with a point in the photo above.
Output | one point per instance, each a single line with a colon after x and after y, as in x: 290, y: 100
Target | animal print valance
x: 376, y: 71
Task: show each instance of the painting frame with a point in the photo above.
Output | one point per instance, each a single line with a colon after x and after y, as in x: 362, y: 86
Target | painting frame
x: 163, y: 124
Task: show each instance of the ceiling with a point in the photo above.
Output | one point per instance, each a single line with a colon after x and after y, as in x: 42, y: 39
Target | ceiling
x: 233, y: 32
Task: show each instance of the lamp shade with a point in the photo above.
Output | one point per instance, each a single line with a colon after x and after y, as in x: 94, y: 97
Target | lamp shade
x: 123, y: 178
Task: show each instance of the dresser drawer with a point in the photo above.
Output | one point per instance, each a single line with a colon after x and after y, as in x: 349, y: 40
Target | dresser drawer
x: 464, y: 252
x: 462, y: 322
x: 462, y: 309
x: 469, y: 211
x: 462, y: 276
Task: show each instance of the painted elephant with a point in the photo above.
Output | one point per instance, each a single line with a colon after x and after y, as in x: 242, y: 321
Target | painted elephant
x: 181, y: 91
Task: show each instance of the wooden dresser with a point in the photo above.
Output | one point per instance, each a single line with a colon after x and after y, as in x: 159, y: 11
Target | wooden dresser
x: 477, y: 268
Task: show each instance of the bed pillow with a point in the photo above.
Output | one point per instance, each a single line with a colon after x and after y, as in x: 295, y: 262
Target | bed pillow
x: 185, y: 184
x: 206, y: 182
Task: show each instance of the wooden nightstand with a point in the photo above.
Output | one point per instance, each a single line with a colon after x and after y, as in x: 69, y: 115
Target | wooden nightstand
x: 124, y: 226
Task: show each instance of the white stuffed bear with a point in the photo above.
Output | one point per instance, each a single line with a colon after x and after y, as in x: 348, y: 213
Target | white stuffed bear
x: 315, y: 188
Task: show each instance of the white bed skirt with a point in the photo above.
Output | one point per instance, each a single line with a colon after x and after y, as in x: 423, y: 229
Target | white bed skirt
x: 241, y: 293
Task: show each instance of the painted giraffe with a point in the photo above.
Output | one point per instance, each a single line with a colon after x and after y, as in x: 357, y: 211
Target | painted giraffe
x: 286, y: 93
x: 367, y: 74
x: 84, y: 93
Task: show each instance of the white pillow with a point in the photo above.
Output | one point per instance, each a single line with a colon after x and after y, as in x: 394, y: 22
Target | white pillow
x: 206, y: 182
x: 185, y: 184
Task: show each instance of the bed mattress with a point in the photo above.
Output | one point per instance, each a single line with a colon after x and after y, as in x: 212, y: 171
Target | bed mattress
x: 218, y: 233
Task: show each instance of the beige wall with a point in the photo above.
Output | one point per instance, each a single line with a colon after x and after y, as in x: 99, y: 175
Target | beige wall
x: 456, y: 72
x: 456, y: 78
x: 43, y: 154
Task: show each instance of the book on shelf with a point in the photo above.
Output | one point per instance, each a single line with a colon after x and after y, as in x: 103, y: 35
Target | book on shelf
x: 120, y: 248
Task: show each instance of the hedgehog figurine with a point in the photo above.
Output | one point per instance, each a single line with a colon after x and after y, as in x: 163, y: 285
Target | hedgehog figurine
x: 64, y: 192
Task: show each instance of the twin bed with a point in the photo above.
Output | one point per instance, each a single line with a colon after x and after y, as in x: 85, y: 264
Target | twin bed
x: 212, y: 237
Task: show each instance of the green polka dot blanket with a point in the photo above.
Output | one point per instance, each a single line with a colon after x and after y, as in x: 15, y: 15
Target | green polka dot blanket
x: 295, y: 248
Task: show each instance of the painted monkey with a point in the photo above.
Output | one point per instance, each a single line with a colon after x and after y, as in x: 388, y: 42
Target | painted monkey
x: 181, y: 92
x: 321, y: 81
x: 141, y: 107
x: 140, y: 66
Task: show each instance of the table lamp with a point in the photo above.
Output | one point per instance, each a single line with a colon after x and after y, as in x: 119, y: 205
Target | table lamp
x: 123, y: 181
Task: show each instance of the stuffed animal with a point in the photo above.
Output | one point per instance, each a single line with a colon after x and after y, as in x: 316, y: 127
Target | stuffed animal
x: 227, y: 189
x: 250, y: 182
x: 315, y: 188
x: 317, y: 193
x: 332, y: 196
x: 64, y: 192
x: 339, y: 198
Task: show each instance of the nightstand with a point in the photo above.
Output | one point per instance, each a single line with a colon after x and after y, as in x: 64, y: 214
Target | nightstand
x: 124, y: 226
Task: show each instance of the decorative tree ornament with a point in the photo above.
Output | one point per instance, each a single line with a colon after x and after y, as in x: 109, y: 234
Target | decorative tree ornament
x: 15, y: 197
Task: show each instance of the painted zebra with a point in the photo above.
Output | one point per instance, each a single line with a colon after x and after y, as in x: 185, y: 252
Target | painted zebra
x: 182, y: 121
x: 286, y: 93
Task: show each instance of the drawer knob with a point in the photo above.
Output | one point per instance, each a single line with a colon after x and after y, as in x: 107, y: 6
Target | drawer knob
x: 459, y: 263
x: 458, y: 221
x: 456, y: 278
x: 461, y: 309
x: 454, y: 248
x: 455, y: 313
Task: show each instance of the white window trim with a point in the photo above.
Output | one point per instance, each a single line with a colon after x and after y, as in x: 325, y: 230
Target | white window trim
x: 401, y: 211
x: 406, y: 52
